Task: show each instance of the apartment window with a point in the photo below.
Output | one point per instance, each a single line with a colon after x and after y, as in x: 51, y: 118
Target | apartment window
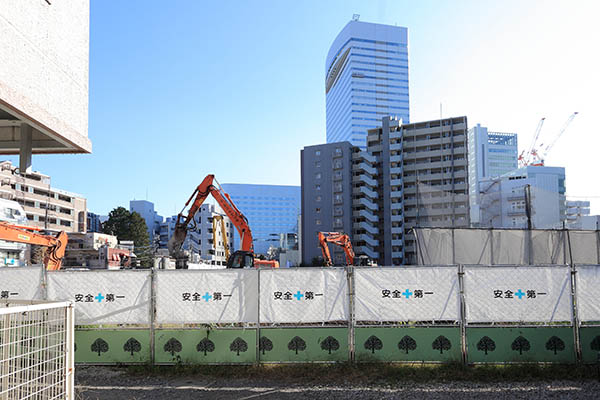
x: 65, y: 223
x: 318, y: 187
x: 337, y: 164
x: 318, y: 153
x: 318, y: 175
x: 318, y: 164
x: 318, y: 198
x: 318, y: 222
x: 337, y: 187
x: 337, y: 199
x: 318, y: 210
x: 338, y: 152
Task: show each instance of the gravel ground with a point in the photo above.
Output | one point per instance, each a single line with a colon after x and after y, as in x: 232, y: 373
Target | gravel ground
x: 109, y: 383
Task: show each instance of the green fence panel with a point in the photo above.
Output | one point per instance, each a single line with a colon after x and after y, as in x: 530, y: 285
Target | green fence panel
x: 533, y: 344
x: 589, y: 337
x: 205, y: 346
x: 303, y: 344
x: 435, y: 344
x: 112, y: 346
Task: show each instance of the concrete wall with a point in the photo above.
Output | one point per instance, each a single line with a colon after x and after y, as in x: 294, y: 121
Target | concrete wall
x: 44, y: 48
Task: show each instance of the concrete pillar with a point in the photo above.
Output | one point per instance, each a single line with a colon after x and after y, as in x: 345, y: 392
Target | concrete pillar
x: 25, y: 149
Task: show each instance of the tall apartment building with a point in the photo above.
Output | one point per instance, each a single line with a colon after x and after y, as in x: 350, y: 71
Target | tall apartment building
x: 366, y: 78
x: 491, y: 154
x: 146, y: 210
x: 199, y: 242
x: 576, y: 210
x: 94, y: 223
x: 410, y: 175
x: 46, y: 207
x: 504, y: 199
x: 271, y: 210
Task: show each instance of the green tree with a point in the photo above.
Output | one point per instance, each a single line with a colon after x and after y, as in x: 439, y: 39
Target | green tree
x: 130, y: 226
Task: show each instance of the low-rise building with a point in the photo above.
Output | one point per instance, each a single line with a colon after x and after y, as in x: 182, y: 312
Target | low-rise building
x: 45, y: 206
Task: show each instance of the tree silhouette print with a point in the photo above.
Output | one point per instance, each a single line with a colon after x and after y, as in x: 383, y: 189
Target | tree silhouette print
x: 132, y: 346
x: 520, y: 344
x: 407, y: 343
x: 486, y: 344
x: 172, y: 346
x: 238, y: 345
x: 373, y: 343
x: 99, y: 346
x: 330, y: 343
x: 297, y: 344
x: 205, y: 345
x: 555, y: 344
x: 441, y: 343
x: 595, y: 345
x: 265, y: 344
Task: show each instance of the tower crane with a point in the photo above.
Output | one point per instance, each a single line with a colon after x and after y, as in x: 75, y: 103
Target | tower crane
x: 536, y: 157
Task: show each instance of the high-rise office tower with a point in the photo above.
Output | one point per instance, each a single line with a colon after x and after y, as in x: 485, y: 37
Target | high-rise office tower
x: 366, y: 78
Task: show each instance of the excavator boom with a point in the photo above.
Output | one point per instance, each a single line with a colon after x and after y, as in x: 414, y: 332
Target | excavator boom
x: 339, y: 239
x: 56, y: 245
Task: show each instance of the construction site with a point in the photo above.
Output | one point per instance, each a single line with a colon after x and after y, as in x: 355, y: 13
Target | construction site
x: 429, y: 259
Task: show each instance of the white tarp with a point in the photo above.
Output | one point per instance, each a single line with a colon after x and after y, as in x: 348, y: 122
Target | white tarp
x: 22, y: 283
x: 548, y: 247
x: 407, y: 294
x: 588, y: 292
x: 303, y: 295
x: 517, y: 294
x: 510, y: 246
x: 472, y: 246
x: 584, y: 247
x: 206, y: 296
x: 434, y: 246
x: 104, y: 297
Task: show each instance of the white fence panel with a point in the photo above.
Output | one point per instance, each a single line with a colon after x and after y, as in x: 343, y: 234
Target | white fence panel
x: 407, y: 294
x: 104, y: 297
x: 21, y: 283
x: 517, y: 294
x: 587, y: 282
x: 584, y: 247
x: 510, y: 247
x: 548, y: 247
x: 472, y: 246
x: 303, y: 295
x: 434, y: 246
x: 206, y: 296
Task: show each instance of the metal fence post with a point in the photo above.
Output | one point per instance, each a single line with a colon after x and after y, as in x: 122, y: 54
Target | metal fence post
x: 70, y: 345
x: 152, y: 315
x: 462, y: 305
x: 574, y: 316
x: 351, y: 321
x: 258, y: 318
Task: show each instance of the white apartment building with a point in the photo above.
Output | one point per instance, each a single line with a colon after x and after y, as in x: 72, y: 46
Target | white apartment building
x: 504, y: 199
x: 200, y: 240
x: 491, y: 154
x: 45, y: 207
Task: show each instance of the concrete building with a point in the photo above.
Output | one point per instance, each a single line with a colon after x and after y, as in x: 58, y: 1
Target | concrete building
x: 13, y: 254
x: 410, y: 175
x: 575, y: 212
x: 366, y: 78
x: 44, y: 47
x: 424, y: 170
x: 146, y: 209
x: 491, y: 154
x: 45, y: 206
x: 271, y: 210
x: 504, y: 199
x: 200, y: 241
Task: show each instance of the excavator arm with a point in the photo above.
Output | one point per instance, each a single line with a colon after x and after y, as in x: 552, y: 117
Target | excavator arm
x: 203, y: 190
x: 339, y: 239
x: 56, y: 245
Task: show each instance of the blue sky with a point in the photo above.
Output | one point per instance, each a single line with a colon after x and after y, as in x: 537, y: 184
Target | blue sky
x: 181, y: 89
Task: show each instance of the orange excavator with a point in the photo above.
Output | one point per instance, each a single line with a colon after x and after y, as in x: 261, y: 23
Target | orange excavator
x: 339, y: 239
x: 55, y: 245
x: 243, y: 258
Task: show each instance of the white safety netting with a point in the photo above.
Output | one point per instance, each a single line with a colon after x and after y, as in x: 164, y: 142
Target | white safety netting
x: 210, y: 296
x: 587, y: 283
x: 443, y: 246
x: 517, y: 294
x: 584, y: 247
x: 23, y: 283
x: 104, y: 297
x: 303, y: 295
x: 407, y: 294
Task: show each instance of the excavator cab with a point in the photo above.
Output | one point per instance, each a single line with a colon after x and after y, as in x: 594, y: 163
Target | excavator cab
x: 241, y: 259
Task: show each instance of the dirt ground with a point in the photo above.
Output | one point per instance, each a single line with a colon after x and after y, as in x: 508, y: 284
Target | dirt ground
x: 114, y: 383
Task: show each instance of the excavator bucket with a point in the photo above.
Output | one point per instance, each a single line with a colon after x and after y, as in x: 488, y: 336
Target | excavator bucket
x: 176, y: 241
